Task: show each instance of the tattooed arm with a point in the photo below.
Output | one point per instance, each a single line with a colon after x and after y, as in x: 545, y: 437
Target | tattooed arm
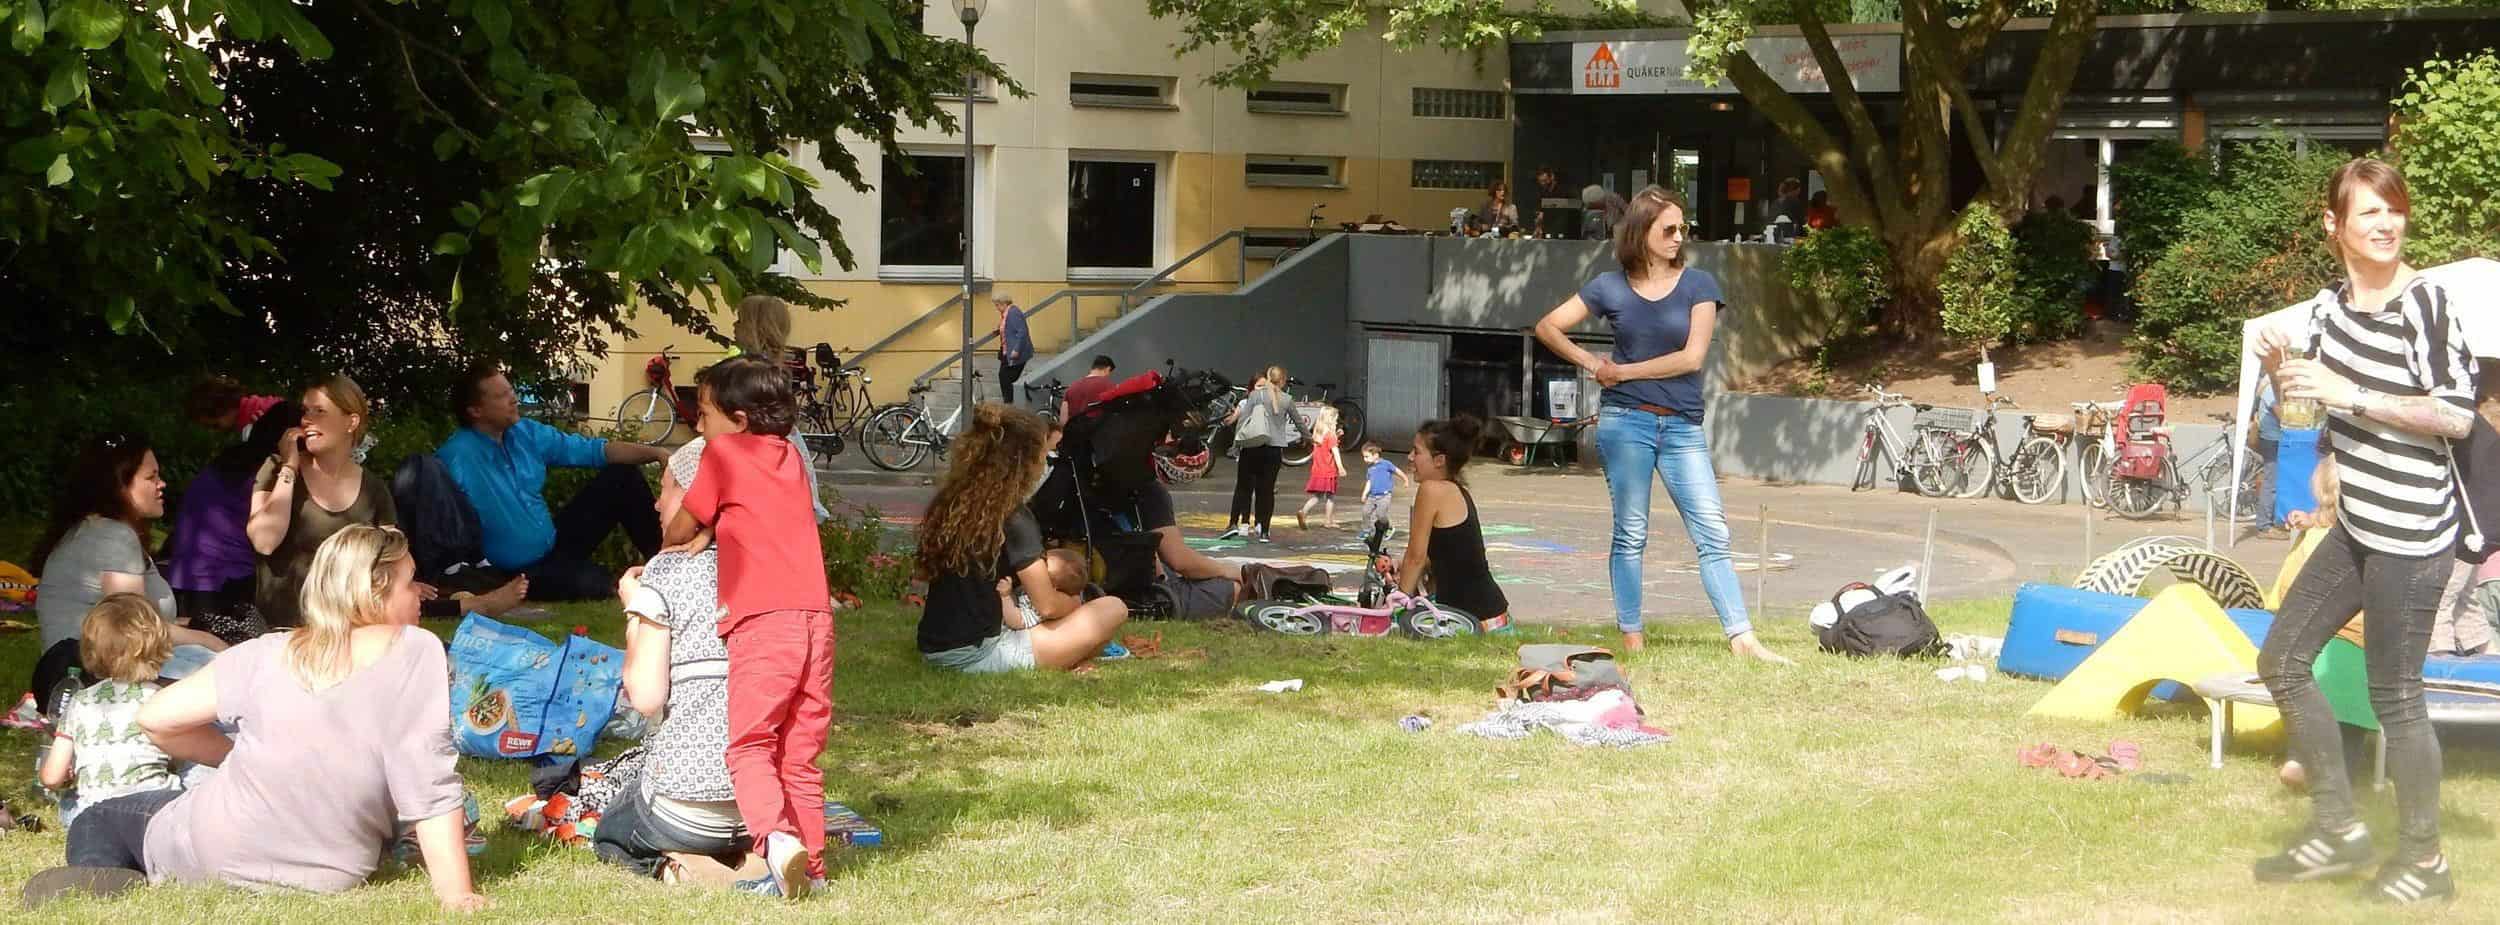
x: 2422, y: 414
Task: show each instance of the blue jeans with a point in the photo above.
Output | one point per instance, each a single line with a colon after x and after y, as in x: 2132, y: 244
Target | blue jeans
x: 1633, y: 443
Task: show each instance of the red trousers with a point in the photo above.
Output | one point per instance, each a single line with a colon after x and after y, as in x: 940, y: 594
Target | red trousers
x: 780, y: 705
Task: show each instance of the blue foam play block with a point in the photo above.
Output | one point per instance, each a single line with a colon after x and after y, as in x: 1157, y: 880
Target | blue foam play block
x: 2480, y: 670
x: 2054, y: 628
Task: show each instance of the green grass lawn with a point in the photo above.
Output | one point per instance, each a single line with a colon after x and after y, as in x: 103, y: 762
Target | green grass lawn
x: 1171, y: 790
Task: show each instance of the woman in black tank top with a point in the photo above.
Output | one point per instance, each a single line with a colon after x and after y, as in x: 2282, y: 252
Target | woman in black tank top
x: 1452, y: 551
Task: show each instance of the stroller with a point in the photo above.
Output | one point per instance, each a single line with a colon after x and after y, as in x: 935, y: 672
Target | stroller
x: 1111, y: 453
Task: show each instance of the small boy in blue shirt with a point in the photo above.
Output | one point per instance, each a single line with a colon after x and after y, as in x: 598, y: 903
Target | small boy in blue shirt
x: 1379, y: 482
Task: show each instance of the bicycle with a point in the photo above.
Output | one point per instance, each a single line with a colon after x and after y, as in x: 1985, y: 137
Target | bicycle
x: 2038, y: 469
x: 837, y: 405
x: 2137, y: 498
x: 1378, y: 609
x: 641, y: 415
x: 899, y: 436
x: 1914, y: 459
x: 1349, y: 420
x: 1973, y: 465
x: 1310, y: 234
x: 551, y: 400
x: 2098, y: 428
x: 1048, y: 395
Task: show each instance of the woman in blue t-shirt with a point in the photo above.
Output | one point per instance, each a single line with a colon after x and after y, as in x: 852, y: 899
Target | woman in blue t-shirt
x: 1649, y: 418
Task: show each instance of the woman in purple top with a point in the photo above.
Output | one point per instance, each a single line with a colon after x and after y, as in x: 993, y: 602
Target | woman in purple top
x: 1649, y: 417
x: 209, y: 559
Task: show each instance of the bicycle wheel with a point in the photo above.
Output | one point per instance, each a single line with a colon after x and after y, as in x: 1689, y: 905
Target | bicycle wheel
x: 895, y: 439
x: 1927, y: 469
x: 1440, y: 622
x: 1974, y: 468
x: 1298, y: 453
x: 1283, y: 617
x: 2092, y: 473
x: 1350, y: 420
x: 2039, y: 470
x: 2136, y: 499
x: 647, y: 417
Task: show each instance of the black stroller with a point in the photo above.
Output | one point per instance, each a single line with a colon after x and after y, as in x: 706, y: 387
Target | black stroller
x: 1112, y: 453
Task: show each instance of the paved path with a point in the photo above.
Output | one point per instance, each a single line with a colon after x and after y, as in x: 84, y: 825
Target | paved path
x: 1547, y: 534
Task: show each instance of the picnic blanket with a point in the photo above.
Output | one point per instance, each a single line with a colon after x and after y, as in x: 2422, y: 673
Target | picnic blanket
x: 1608, y: 718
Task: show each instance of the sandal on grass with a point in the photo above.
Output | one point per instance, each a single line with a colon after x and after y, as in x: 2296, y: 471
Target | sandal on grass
x: 2128, y: 756
x: 2039, y: 756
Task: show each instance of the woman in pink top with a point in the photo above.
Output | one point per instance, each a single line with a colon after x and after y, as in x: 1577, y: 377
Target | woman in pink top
x: 352, y: 703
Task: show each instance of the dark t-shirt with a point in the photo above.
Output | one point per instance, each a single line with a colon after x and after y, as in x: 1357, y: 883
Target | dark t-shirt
x: 963, y: 609
x: 1646, y: 330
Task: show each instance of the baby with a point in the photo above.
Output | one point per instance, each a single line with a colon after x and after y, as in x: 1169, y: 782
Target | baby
x: 1067, y: 573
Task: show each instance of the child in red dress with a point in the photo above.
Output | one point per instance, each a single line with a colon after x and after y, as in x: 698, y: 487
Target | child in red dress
x: 1325, y: 467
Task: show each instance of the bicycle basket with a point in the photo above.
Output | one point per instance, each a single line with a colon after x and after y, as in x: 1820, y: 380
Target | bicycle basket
x: 2053, y: 423
x: 1958, y: 420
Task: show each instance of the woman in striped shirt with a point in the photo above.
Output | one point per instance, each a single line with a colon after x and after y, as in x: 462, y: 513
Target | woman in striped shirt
x: 2385, y: 358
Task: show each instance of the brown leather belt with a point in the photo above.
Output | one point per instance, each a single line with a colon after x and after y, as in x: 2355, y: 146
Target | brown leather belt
x: 1658, y: 410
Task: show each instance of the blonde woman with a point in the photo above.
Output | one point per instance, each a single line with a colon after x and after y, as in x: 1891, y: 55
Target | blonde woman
x: 1264, y: 426
x: 351, y: 704
x: 313, y: 488
x: 762, y: 329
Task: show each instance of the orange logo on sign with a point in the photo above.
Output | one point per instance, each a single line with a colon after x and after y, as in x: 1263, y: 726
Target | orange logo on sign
x: 1602, y: 72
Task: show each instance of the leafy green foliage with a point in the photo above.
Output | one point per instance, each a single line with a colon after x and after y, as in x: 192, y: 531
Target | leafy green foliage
x: 856, y: 556
x: 1846, y: 266
x: 1978, y: 288
x: 2052, y: 265
x: 391, y: 187
x: 2451, y: 157
x: 2254, y: 245
x: 2152, y: 191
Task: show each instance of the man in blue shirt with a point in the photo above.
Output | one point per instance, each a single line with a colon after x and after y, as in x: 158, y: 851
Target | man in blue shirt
x: 1015, y: 345
x: 500, y: 461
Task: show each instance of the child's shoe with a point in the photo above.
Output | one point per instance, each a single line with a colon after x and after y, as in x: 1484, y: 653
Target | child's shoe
x: 789, y: 862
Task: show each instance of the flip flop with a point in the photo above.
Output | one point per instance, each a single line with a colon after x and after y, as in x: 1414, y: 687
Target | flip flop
x: 2078, y: 766
x: 2127, y: 756
x: 1112, y: 652
x: 2039, y: 756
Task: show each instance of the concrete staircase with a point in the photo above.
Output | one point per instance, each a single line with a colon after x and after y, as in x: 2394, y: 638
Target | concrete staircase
x: 946, y: 390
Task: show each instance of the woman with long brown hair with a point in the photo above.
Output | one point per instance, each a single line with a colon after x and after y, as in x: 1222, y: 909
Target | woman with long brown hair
x: 1649, y: 418
x: 979, y: 543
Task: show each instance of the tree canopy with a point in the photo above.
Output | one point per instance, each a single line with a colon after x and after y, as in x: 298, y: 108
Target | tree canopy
x: 370, y: 184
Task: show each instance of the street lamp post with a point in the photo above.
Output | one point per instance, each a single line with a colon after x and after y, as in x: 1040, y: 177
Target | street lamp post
x: 970, y: 12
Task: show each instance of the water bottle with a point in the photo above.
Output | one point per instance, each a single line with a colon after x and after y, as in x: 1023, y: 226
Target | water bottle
x: 62, y: 692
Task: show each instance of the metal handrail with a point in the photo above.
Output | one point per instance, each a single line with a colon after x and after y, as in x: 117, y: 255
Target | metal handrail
x: 1128, y: 299
x: 1076, y: 317
x: 861, y: 357
x: 1241, y: 269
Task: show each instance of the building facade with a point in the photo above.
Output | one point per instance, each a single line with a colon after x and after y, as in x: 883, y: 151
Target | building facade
x: 1122, y: 160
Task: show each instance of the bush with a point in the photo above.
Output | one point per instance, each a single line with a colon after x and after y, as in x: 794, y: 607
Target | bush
x: 2252, y: 247
x: 2052, y: 265
x: 1846, y: 266
x: 1977, y: 288
x: 2152, y: 192
x: 2451, y: 158
x: 855, y: 558
x: 49, y: 426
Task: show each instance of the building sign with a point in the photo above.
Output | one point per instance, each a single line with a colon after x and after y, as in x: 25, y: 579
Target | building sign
x: 1874, y: 63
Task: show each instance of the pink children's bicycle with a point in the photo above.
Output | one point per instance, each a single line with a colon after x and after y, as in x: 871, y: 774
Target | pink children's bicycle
x: 1378, y: 609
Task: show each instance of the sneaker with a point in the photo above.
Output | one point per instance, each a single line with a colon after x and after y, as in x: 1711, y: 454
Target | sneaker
x: 1264, y: 538
x: 1232, y: 533
x: 1112, y: 652
x: 760, y: 886
x: 2317, y: 856
x: 2403, y: 881
x: 789, y: 862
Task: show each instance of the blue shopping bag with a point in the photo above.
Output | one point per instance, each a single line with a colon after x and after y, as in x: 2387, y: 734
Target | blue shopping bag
x: 515, y: 694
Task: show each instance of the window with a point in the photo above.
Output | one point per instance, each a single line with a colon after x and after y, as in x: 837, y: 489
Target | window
x: 921, y: 212
x: 1301, y: 99
x: 1470, y: 175
x: 1447, y: 103
x: 1120, y: 91
x: 1271, y: 243
x: 981, y: 90
x: 1111, y: 215
x: 1289, y: 170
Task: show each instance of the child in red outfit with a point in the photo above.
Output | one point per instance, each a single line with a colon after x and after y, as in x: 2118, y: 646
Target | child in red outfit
x: 776, y: 616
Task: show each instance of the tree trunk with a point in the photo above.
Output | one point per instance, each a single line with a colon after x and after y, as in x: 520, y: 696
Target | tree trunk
x: 1917, y: 254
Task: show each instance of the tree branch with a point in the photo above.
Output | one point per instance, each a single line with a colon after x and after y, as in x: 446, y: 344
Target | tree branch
x: 1844, y: 92
x: 1972, y: 39
x: 1926, y: 44
x: 2052, y: 74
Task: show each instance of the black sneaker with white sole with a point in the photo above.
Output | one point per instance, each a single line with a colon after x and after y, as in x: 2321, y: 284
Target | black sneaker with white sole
x: 2317, y: 855
x: 2403, y: 881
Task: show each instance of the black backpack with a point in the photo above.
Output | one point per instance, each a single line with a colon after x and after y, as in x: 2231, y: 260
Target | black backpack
x: 442, y: 527
x: 1891, y: 624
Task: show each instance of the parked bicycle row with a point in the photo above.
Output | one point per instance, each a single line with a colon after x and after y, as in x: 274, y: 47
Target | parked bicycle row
x: 2116, y: 455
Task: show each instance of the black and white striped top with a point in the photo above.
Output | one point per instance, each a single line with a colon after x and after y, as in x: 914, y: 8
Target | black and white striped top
x: 2398, y: 496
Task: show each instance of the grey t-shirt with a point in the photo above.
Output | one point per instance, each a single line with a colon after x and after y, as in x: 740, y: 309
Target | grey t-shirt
x: 73, y: 576
x: 375, y: 749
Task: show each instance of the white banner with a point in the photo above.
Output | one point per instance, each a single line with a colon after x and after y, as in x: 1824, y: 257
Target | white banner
x: 1874, y: 63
